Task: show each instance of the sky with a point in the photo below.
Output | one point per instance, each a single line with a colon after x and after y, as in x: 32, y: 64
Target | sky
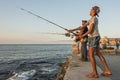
x: 19, y: 27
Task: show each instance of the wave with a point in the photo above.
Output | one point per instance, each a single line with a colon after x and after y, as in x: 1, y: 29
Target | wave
x: 25, y: 75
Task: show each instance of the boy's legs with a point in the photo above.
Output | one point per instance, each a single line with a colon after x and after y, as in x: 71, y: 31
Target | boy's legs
x: 93, y: 42
x: 84, y: 51
x: 94, y: 74
x: 107, y: 70
x: 78, y: 47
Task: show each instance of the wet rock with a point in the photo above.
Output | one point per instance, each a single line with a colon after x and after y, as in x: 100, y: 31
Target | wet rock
x: 63, y: 69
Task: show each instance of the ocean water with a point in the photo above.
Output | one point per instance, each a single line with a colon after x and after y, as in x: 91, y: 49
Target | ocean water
x: 44, y: 58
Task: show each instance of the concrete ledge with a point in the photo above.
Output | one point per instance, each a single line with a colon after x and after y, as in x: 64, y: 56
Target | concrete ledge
x: 108, y: 51
x: 77, y: 70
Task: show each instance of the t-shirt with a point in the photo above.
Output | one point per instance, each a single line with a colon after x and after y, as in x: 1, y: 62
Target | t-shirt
x: 95, y: 31
x: 84, y: 31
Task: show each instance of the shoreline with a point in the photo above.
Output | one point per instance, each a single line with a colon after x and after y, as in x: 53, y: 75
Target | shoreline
x: 62, y: 71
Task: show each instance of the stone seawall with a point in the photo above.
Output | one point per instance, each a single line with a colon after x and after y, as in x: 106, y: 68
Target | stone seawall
x: 75, y: 69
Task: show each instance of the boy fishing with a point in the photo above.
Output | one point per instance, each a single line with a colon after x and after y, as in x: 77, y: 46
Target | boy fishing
x: 94, y: 38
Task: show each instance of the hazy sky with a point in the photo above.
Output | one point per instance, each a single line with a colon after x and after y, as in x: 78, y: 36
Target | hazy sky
x: 17, y: 26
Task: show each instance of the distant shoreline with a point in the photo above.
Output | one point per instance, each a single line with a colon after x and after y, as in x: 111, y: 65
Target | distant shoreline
x: 39, y: 44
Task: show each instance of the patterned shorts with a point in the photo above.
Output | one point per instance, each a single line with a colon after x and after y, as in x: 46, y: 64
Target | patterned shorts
x: 93, y: 41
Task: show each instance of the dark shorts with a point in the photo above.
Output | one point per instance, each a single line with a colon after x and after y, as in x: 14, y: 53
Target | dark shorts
x: 93, y: 41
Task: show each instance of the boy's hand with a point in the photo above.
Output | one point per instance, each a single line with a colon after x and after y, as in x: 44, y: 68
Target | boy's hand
x: 70, y: 31
x: 80, y: 36
x: 76, y: 34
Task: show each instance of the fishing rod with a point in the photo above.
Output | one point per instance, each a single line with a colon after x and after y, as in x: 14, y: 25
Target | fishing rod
x: 53, y: 33
x: 43, y: 18
x: 66, y: 34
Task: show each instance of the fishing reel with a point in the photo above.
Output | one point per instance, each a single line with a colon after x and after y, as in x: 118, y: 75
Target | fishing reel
x: 69, y: 35
x: 72, y: 36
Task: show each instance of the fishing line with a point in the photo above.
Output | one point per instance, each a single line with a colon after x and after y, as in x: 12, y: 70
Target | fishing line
x: 66, y: 34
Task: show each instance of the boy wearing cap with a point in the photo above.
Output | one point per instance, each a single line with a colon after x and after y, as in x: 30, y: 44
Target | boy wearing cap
x: 83, y: 41
x: 94, y: 38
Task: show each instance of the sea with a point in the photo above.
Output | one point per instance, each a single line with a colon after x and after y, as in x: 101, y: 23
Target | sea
x: 44, y: 59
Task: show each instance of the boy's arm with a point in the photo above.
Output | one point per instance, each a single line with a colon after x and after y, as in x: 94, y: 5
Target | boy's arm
x: 79, y: 28
x: 71, y: 30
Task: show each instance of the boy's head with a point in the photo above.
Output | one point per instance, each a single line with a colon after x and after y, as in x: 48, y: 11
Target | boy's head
x: 95, y: 10
x: 84, y: 21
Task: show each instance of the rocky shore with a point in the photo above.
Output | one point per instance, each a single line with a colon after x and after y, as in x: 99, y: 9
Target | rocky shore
x: 64, y: 66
